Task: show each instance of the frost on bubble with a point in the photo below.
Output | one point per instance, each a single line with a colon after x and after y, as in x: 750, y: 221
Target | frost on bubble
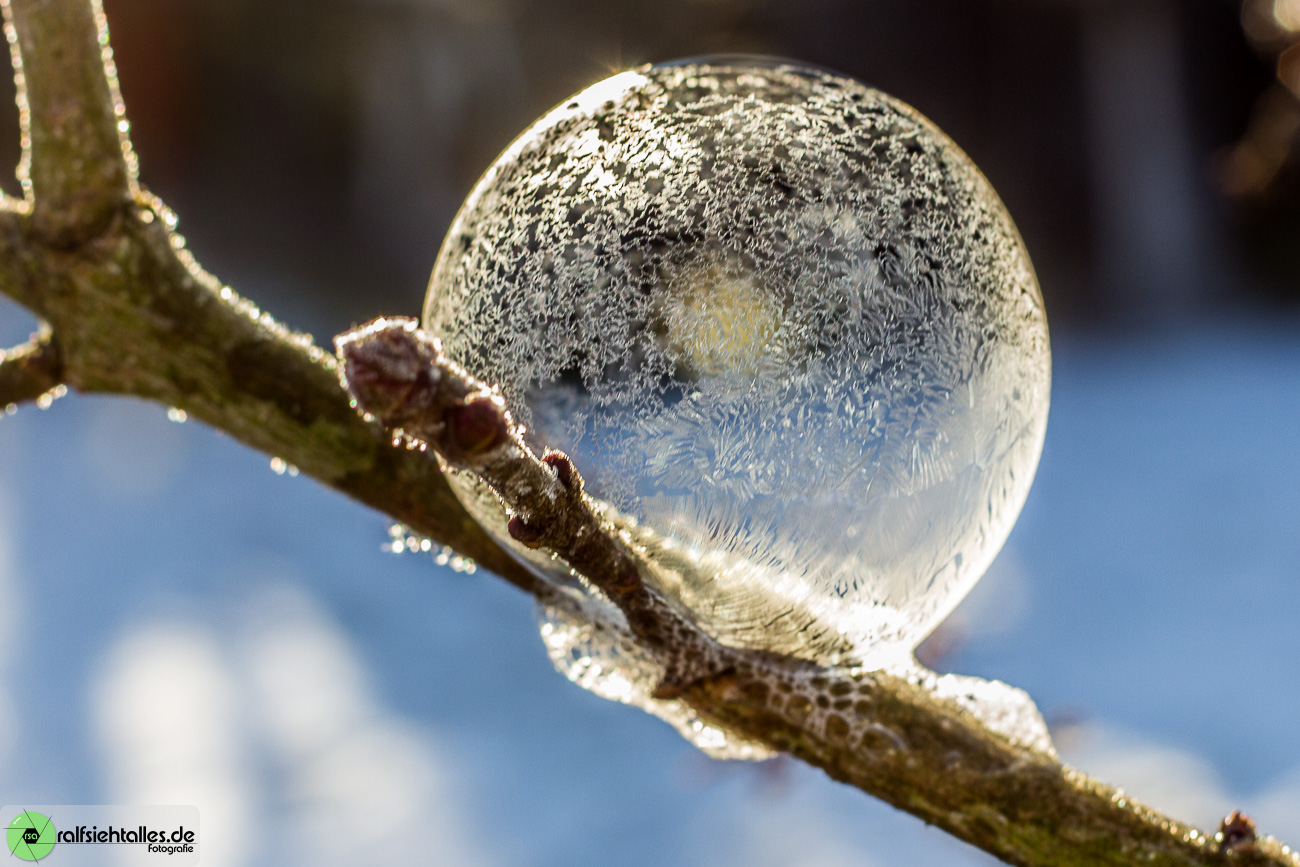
x: 790, y: 336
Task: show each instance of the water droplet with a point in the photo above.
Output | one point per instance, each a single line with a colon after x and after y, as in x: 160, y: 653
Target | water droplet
x: 179, y: 416
x: 45, y: 401
x: 402, y: 539
x: 787, y: 331
x: 281, y: 467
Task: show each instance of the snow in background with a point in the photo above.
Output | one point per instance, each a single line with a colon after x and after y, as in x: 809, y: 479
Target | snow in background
x: 180, y: 624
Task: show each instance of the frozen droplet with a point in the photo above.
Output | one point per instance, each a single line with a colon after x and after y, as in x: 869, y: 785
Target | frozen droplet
x: 280, y: 467
x: 396, y: 543
x: 787, y: 331
x: 402, y: 539
x: 46, y: 400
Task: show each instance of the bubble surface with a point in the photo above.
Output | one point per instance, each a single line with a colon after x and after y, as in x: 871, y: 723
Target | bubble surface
x: 786, y: 330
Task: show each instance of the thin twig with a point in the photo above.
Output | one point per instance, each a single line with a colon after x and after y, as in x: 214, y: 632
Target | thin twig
x: 398, y: 373
x: 30, y: 371
x: 872, y: 730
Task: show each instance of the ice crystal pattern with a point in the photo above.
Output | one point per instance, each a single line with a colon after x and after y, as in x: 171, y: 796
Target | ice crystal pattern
x: 785, y: 328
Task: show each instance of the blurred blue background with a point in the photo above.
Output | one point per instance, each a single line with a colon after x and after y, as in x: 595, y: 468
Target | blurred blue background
x: 181, y: 624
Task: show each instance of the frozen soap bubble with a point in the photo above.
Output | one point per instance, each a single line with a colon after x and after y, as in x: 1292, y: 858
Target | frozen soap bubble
x: 786, y: 330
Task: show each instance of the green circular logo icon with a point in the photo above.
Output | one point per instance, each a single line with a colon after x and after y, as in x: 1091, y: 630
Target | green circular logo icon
x: 30, y: 836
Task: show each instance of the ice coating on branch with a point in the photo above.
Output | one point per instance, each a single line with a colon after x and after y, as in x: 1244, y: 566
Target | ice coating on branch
x: 1003, y: 708
x: 597, y: 652
x: 787, y: 331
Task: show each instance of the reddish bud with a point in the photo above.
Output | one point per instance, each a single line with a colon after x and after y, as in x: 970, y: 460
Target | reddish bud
x: 1236, y: 832
x: 627, y: 581
x: 389, y: 368
x: 563, y: 467
x: 476, y: 427
x: 524, y: 533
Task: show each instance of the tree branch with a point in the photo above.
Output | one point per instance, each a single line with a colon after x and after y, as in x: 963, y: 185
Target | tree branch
x: 132, y: 313
x: 29, y: 371
x: 73, y: 120
x: 878, y: 732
